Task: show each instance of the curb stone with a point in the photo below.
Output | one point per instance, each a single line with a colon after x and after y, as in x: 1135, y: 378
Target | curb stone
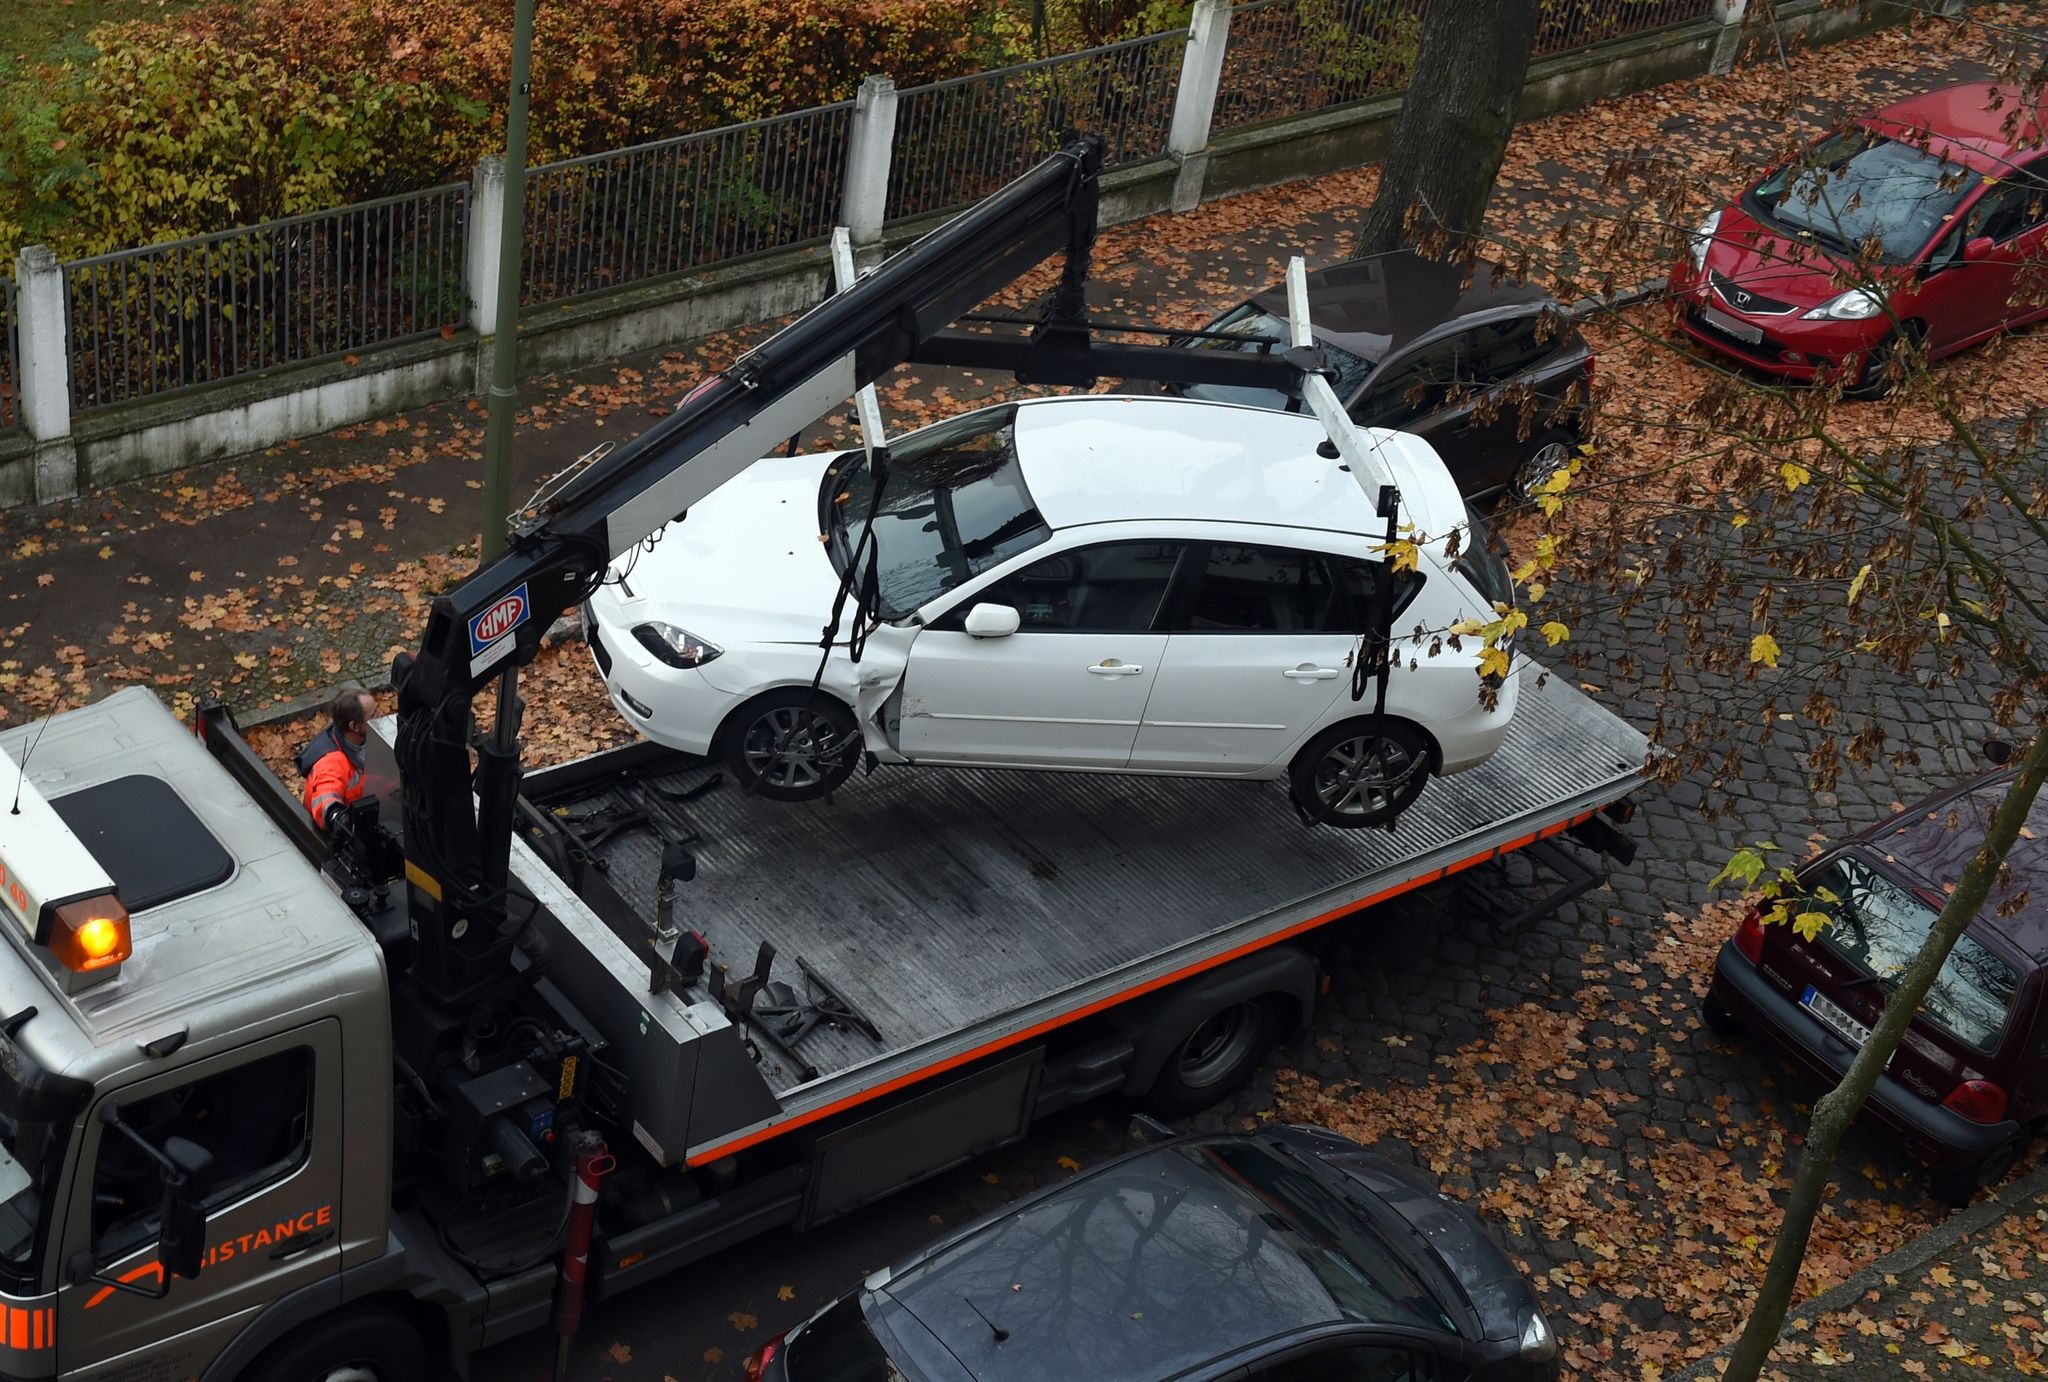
x: 1899, y: 1262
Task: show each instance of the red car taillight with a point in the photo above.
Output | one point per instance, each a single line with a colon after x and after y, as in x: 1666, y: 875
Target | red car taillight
x: 1750, y: 938
x: 758, y: 1363
x: 1980, y: 1101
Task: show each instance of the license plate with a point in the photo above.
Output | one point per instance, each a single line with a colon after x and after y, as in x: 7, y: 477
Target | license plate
x: 1833, y: 1017
x: 1728, y: 326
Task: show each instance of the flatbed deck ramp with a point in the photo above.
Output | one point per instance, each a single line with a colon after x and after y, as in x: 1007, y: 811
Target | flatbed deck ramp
x: 960, y: 910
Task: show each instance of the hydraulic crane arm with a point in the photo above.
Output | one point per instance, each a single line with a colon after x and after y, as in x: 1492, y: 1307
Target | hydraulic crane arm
x: 493, y: 621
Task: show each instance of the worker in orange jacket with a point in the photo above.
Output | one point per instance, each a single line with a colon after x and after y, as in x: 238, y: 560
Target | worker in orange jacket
x: 333, y: 763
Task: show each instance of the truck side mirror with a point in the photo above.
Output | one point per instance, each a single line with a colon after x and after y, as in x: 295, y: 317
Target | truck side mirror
x: 181, y: 1244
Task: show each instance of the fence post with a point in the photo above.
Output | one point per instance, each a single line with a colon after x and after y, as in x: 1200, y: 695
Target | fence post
x: 45, y: 361
x: 1728, y: 43
x: 485, y: 249
x: 865, y: 202
x: 1194, y: 100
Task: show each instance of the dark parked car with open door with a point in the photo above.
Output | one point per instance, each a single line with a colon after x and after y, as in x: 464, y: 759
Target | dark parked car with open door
x: 1967, y: 1089
x: 1289, y: 1255
x: 1486, y: 369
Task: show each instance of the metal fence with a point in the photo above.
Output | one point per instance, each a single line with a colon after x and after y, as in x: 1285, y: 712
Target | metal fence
x: 609, y: 219
x: 959, y: 140
x: 1567, y: 24
x: 1290, y: 57
x: 10, y: 360
x: 175, y: 316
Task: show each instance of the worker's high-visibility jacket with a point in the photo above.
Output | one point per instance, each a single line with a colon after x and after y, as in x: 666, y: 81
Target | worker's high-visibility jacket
x: 333, y: 769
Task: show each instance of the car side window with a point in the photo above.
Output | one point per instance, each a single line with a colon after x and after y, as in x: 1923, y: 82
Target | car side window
x: 1116, y: 587
x: 1350, y: 1363
x: 1499, y: 351
x: 2002, y: 213
x: 255, y: 1119
x: 1360, y: 580
x: 1246, y: 589
x: 1410, y: 386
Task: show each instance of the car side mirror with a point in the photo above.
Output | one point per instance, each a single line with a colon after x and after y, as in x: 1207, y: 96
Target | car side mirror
x: 992, y: 621
x: 1997, y: 752
x: 1977, y: 249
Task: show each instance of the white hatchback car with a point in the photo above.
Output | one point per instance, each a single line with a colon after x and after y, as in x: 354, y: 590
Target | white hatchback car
x: 1097, y: 584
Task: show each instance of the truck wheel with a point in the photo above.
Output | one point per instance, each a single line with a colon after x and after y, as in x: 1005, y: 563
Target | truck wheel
x: 1217, y: 1054
x: 368, y: 1346
x: 792, y: 744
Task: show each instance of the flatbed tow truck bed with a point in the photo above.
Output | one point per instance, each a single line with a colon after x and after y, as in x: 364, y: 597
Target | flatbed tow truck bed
x: 964, y: 911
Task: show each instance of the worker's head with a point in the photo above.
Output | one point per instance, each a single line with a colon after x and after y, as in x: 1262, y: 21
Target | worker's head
x: 351, y: 713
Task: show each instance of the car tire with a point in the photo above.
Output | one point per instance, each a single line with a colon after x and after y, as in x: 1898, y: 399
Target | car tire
x: 1545, y: 456
x: 365, y: 1346
x: 795, y: 744
x: 1873, y: 370
x: 1349, y: 778
x: 1214, y: 1057
x: 1719, y: 1020
x: 1955, y: 1186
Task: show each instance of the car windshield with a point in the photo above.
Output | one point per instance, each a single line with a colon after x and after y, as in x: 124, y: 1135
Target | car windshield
x: 953, y: 505
x: 1252, y: 329
x: 36, y: 1114
x: 1861, y: 190
x: 838, y: 1346
x: 1367, y: 1280
x: 1480, y: 562
x: 1878, y: 925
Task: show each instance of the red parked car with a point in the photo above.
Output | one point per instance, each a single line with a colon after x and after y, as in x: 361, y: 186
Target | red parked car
x: 1967, y: 1089
x: 1946, y: 197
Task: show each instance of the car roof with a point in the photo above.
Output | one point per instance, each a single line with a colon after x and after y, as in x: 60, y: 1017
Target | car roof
x: 1096, y: 459
x: 1923, y: 841
x: 1973, y: 124
x: 1142, y: 1268
x: 1375, y: 306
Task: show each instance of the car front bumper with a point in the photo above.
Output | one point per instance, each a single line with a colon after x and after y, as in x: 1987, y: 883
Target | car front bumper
x: 1788, y: 345
x: 1934, y: 1134
x: 674, y: 706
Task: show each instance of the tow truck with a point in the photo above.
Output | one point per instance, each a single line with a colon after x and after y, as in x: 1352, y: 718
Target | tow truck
x: 279, y: 1107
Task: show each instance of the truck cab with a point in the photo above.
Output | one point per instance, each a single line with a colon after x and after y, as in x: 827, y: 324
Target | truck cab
x: 204, y: 1078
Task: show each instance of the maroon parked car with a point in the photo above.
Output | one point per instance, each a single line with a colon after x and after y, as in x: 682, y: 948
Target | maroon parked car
x: 1950, y: 192
x: 1968, y: 1087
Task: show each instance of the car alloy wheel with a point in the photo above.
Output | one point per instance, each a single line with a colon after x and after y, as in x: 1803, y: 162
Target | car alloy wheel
x: 1364, y: 776
x: 1550, y: 456
x: 793, y: 749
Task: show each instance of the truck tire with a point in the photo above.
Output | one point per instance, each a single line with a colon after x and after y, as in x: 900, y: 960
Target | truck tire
x: 363, y: 1346
x: 1213, y: 1057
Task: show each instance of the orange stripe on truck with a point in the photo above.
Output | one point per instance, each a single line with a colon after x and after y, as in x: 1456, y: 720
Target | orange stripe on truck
x: 740, y: 1144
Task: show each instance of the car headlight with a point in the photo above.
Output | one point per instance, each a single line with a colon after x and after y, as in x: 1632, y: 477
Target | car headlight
x: 1856, y: 305
x: 677, y: 647
x: 1701, y: 238
x: 1538, y: 1343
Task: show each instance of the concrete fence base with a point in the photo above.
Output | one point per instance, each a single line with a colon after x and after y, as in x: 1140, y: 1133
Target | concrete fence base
x: 56, y: 455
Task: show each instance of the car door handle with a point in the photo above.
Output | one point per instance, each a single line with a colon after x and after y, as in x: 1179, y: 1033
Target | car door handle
x: 1310, y: 673
x: 1114, y: 669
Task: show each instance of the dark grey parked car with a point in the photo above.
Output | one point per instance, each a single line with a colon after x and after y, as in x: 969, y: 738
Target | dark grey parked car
x: 1416, y: 348
x: 1291, y: 1255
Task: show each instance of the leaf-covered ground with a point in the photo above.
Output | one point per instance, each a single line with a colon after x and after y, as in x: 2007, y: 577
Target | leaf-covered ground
x: 1558, y: 1080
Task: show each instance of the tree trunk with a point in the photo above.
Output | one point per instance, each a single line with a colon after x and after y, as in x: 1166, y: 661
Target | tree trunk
x: 1838, y: 1108
x: 1455, y: 120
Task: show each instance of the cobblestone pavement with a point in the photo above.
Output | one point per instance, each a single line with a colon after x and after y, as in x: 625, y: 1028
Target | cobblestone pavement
x: 1558, y: 1078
